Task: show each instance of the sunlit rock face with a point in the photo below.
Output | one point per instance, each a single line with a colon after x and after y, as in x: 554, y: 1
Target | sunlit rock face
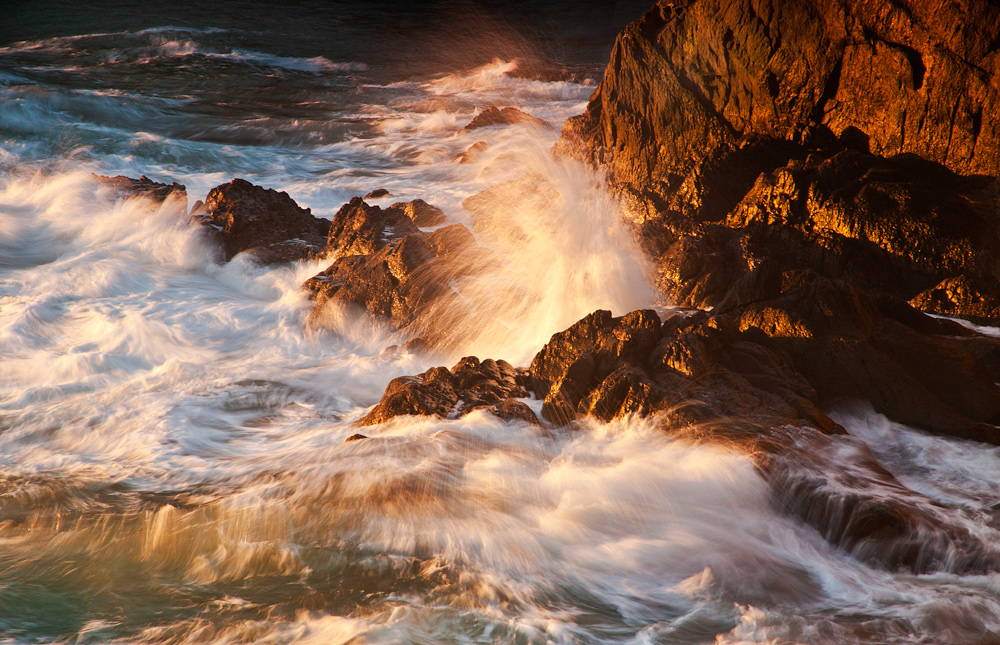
x: 846, y: 139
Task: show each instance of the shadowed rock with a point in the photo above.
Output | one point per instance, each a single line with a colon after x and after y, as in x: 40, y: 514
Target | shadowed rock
x: 269, y: 223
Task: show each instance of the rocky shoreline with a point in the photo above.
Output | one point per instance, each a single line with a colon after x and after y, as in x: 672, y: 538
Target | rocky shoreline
x: 810, y: 221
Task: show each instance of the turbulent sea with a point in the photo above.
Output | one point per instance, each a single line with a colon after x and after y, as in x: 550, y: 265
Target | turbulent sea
x: 173, y: 465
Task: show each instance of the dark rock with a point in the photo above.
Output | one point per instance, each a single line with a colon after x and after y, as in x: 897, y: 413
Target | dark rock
x: 837, y: 486
x: 408, y: 280
x: 473, y: 154
x: 144, y: 187
x: 469, y: 385
x: 247, y: 217
x: 356, y: 437
x: 848, y: 349
x: 504, y: 116
x: 378, y: 193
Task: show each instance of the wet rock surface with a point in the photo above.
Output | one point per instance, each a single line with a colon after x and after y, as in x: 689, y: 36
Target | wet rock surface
x: 846, y: 139
x: 470, y: 385
x: 144, y: 187
x: 245, y: 217
x: 504, y: 116
x: 391, y: 269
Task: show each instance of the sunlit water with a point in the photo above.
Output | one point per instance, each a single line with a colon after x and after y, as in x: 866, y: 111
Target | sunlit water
x: 173, y: 465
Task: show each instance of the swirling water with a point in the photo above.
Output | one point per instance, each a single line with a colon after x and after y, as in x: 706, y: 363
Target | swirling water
x: 172, y: 457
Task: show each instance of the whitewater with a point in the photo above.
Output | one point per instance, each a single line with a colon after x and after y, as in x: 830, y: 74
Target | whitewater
x: 173, y: 463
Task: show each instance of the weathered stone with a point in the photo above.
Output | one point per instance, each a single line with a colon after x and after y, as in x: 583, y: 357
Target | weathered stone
x: 690, y: 80
x: 504, y: 116
x: 421, y: 213
x: 408, y: 279
x: 378, y: 193
x: 247, y: 217
x: 469, y: 385
x: 977, y: 299
x: 144, y: 187
x: 360, y: 229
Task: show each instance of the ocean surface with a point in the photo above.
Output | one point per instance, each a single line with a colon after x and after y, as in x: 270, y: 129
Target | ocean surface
x: 172, y: 459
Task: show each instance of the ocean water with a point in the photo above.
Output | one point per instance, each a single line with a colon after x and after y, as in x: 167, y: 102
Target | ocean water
x: 172, y: 459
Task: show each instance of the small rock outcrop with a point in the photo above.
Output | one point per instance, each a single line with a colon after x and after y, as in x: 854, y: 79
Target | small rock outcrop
x: 387, y: 266
x: 271, y: 226
x: 504, y: 116
x: 360, y: 229
x: 269, y: 223
x: 144, y: 187
x: 470, y: 385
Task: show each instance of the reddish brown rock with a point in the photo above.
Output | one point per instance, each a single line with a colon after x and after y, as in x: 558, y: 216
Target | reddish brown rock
x: 690, y: 80
x: 469, y: 385
x: 421, y: 213
x: 408, y: 280
x: 504, y: 116
x: 846, y: 139
x: 144, y: 187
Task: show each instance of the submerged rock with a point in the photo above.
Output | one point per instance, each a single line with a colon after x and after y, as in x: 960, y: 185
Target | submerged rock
x: 269, y: 223
x: 469, y: 385
x: 504, y: 116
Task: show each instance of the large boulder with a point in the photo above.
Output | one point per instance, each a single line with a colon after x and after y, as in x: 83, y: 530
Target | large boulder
x: 269, y: 223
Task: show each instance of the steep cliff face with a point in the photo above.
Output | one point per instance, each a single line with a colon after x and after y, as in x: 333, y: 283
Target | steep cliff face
x: 853, y: 139
x: 692, y: 84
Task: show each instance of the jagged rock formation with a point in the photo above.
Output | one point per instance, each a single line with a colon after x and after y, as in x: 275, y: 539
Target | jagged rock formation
x: 757, y: 128
x: 144, y: 187
x: 271, y: 226
x: 470, y: 385
x: 803, y: 171
x: 389, y: 267
x: 247, y: 217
